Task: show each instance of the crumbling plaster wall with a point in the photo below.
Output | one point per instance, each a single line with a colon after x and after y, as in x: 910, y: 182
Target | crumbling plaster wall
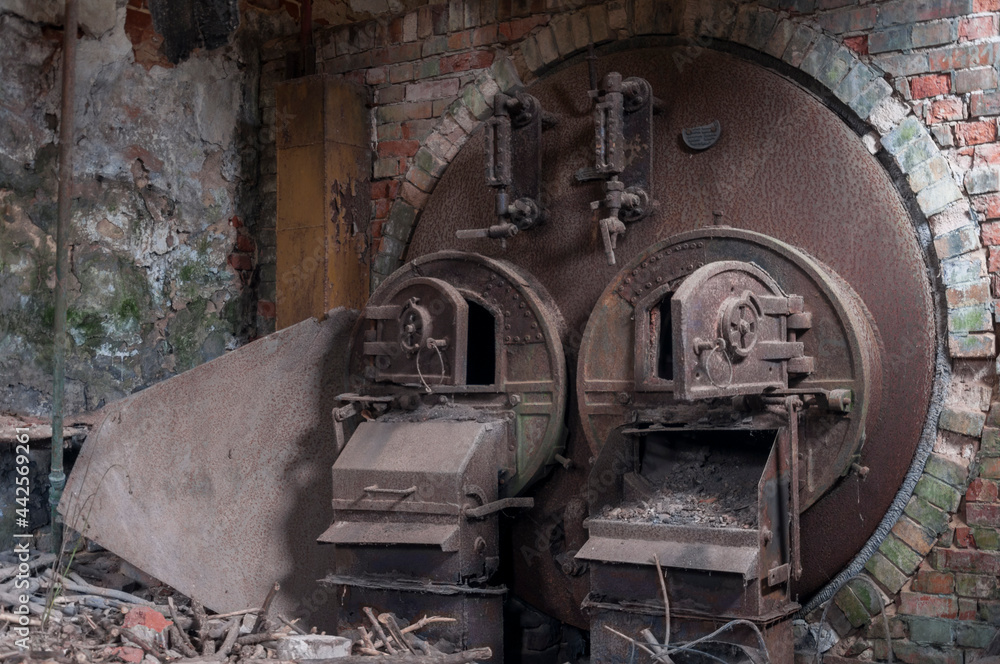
x: 165, y: 171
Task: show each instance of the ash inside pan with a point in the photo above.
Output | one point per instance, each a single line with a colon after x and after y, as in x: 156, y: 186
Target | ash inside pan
x: 703, y: 478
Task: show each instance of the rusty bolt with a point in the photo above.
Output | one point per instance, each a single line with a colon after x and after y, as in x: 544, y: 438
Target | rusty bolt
x: 624, y: 398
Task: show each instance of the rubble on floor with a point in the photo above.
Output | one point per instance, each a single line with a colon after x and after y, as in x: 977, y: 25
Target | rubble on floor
x: 92, y: 606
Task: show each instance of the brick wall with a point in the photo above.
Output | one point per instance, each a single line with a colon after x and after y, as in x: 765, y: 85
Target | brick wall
x: 921, y: 74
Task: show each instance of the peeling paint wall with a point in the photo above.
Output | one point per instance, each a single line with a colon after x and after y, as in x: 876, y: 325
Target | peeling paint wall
x: 165, y: 198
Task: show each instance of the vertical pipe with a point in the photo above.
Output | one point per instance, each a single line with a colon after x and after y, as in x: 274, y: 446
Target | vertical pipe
x: 57, y: 477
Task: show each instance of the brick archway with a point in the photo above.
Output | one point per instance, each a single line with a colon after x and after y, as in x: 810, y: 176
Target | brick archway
x: 944, y: 221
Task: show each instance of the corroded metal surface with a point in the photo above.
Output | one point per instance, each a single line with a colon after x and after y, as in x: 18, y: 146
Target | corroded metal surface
x: 217, y: 481
x: 783, y: 165
x: 845, y: 347
x: 510, y: 364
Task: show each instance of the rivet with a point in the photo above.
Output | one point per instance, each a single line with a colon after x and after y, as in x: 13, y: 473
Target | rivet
x: 659, y: 279
x: 506, y: 338
x: 538, y: 336
x: 516, y: 339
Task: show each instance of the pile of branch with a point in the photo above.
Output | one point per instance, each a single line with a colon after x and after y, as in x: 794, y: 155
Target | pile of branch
x: 392, y: 640
x: 90, y: 622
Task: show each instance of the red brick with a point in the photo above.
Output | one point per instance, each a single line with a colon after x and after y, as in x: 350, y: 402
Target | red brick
x: 436, y: 89
x: 518, y: 28
x: 993, y: 260
x: 945, y: 110
x: 934, y: 606
x: 988, y: 205
x: 382, y: 207
x: 460, y: 41
x: 466, y: 61
x: 969, y: 560
x: 988, y: 153
x: 983, y: 514
x: 991, y: 236
x: 930, y: 85
x: 935, y: 583
x: 235, y: 222
x: 398, y: 148
x: 980, y: 490
x: 857, y: 44
x: 396, y: 30
x: 967, y: 608
x: 986, y: 6
x: 484, y: 36
x: 244, y: 243
x: 385, y: 189
x: 146, y: 617
x: 963, y: 537
x: 978, y: 27
x: 989, y: 468
x: 375, y: 76
x: 418, y: 130
x: 266, y: 309
x: 974, y: 133
x: 240, y: 262
x: 960, y: 57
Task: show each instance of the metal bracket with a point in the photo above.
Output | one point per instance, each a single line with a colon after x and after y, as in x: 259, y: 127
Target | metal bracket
x: 623, y: 154
x: 513, y: 166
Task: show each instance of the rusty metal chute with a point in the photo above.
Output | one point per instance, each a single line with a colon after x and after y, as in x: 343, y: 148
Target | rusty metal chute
x: 217, y: 481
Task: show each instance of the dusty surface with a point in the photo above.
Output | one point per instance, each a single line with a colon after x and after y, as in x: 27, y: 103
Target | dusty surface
x: 703, y: 487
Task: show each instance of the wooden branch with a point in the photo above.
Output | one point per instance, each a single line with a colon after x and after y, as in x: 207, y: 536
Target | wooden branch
x: 227, y: 645
x: 179, y: 640
x: 666, y: 608
x: 379, y: 631
x: 264, y: 608
x: 291, y: 623
x: 464, y: 657
x: 389, y: 621
x: 183, y: 641
x: 11, y: 618
x: 147, y: 647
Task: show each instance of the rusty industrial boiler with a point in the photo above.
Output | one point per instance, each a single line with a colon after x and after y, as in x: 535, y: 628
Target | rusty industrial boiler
x: 684, y: 322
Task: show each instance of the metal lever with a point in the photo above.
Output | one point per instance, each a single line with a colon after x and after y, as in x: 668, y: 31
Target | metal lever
x: 631, y: 203
x: 484, y: 511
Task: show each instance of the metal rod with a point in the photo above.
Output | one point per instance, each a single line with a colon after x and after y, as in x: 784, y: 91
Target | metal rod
x: 57, y: 477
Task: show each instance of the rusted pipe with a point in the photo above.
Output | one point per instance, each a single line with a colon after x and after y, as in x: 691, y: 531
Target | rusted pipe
x: 57, y: 477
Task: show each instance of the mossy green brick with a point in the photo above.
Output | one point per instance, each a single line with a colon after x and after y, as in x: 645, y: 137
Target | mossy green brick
x: 473, y: 100
x: 980, y: 586
x: 852, y: 607
x: 931, y: 630
x: 966, y: 422
x: 974, y: 634
x: 947, y: 470
x: 990, y: 442
x: 986, y: 538
x: 938, y: 493
x: 928, y: 516
x: 900, y: 555
x: 887, y: 574
x: 869, y: 597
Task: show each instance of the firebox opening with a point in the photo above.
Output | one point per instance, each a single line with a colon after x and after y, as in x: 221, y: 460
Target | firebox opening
x: 481, y: 363
x: 704, y: 478
x: 665, y: 340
